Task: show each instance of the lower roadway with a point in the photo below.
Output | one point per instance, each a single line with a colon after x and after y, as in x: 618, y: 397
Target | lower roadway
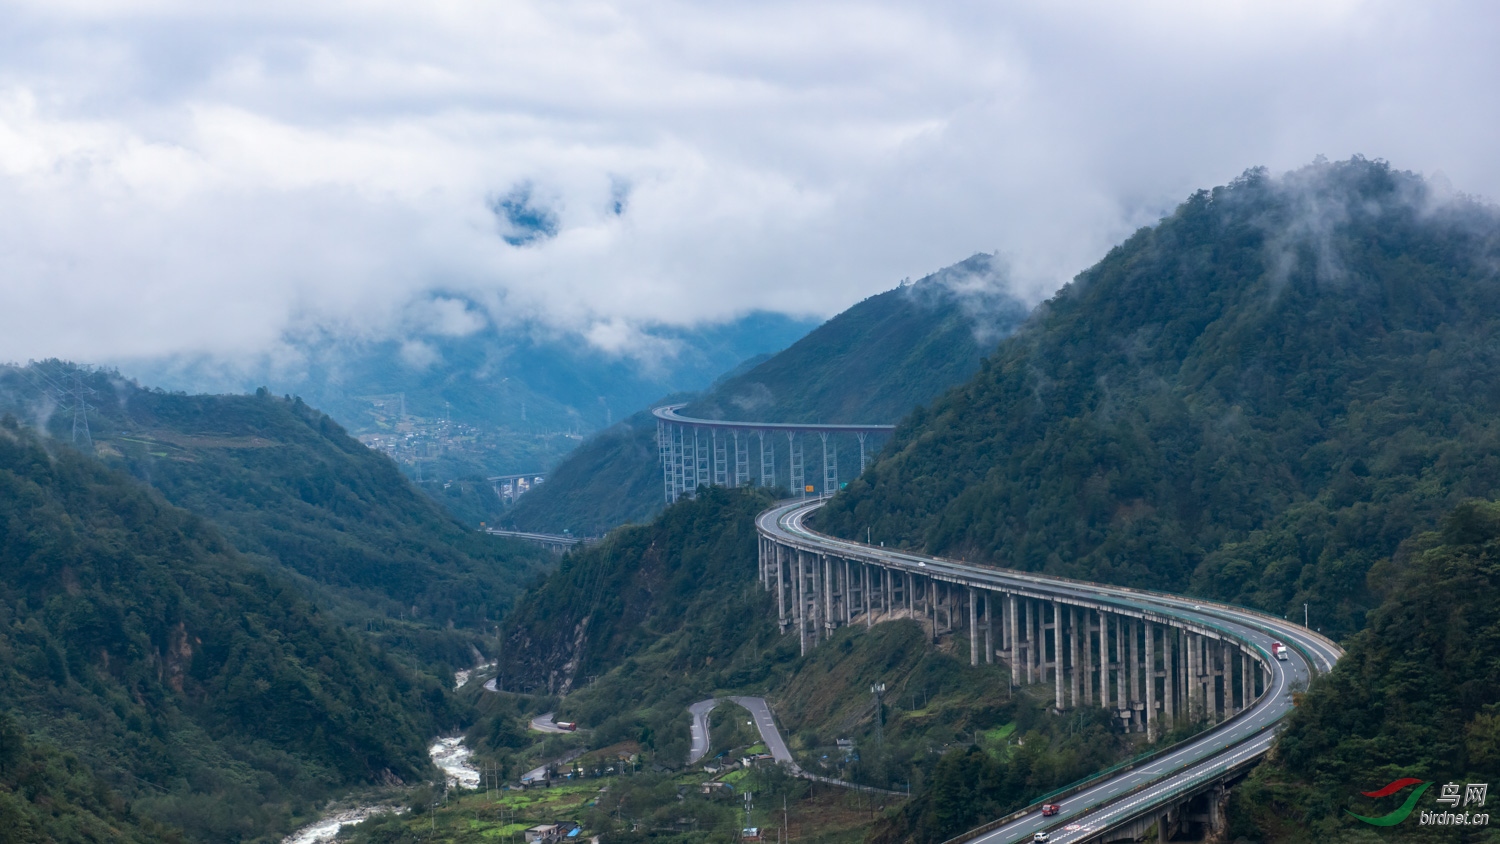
x: 1133, y: 792
x: 766, y: 724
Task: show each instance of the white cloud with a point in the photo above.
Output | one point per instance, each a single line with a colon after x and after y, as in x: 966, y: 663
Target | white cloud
x: 419, y: 354
x: 205, y: 178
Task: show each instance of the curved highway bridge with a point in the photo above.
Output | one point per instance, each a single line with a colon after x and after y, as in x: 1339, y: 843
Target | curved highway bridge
x: 704, y: 452
x: 1151, y: 658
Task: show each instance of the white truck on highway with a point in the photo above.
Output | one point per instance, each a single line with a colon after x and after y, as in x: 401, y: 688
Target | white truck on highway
x: 1278, y: 650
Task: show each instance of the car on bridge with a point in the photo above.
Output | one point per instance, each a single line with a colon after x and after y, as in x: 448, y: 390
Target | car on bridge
x: 1040, y: 838
x: 1050, y: 809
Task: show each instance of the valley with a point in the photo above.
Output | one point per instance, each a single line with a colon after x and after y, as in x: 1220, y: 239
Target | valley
x: 1178, y: 555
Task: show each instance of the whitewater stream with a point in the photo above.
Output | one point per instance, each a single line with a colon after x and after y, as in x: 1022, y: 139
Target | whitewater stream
x: 448, y: 754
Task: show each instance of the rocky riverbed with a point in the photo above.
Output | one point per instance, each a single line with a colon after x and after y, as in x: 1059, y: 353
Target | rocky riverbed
x: 448, y: 754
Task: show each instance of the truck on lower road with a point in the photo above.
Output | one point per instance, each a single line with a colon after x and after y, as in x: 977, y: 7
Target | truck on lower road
x: 1278, y: 650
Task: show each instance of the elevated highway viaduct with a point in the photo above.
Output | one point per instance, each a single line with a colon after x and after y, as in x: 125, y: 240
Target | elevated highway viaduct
x: 716, y: 452
x: 1154, y: 660
x: 556, y: 542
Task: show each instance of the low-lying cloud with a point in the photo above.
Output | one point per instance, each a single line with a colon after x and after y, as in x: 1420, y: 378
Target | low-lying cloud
x: 186, y: 178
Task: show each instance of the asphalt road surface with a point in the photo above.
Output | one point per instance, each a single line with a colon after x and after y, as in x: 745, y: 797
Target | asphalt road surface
x: 543, y: 724
x: 699, y: 729
x: 540, y: 772
x: 1128, y: 794
x: 766, y: 724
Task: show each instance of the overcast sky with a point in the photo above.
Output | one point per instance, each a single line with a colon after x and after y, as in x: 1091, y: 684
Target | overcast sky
x: 208, y: 178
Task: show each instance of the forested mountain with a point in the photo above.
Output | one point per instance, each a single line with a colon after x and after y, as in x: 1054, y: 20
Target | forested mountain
x: 607, y: 602
x: 872, y: 363
x: 1256, y: 399
x: 529, y: 390
x: 291, y: 490
x: 882, y: 357
x: 49, y: 796
x: 212, y: 693
x: 1416, y: 695
x: 661, y: 615
x: 612, y: 478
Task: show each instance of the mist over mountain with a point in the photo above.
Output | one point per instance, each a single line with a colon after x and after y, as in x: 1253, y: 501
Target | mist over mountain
x: 529, y: 393
x: 872, y: 363
x: 883, y: 356
x: 1256, y: 399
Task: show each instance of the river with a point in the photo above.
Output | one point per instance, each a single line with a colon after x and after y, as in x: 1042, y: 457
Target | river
x: 447, y: 753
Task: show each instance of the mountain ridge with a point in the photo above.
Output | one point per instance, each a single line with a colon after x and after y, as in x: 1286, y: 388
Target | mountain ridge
x: 873, y: 363
x: 1253, y: 400
x: 210, y: 692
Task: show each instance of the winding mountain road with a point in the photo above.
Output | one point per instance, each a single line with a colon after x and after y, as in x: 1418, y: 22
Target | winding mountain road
x: 764, y: 723
x: 698, y: 730
x: 543, y: 723
x: 1137, y: 791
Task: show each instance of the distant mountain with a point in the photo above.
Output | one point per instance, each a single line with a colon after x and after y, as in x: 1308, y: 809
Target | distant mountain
x: 1256, y: 399
x: 288, y: 488
x: 872, y: 363
x: 882, y: 357
x: 612, y: 478
x: 203, y: 689
x: 524, y: 394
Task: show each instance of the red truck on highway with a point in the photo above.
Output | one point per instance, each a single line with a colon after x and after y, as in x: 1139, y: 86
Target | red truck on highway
x: 1278, y: 650
x: 570, y: 726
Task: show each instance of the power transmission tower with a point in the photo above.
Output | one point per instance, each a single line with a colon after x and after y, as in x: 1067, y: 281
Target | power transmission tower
x: 81, y: 412
x: 69, y: 391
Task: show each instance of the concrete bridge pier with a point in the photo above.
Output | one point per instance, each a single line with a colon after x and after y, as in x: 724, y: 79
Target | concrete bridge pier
x: 1074, y: 676
x: 973, y: 628
x: 767, y: 460
x: 1169, y: 681
x: 1151, y: 675
x: 780, y: 588
x: 865, y: 598
x: 794, y: 464
x: 1057, y: 655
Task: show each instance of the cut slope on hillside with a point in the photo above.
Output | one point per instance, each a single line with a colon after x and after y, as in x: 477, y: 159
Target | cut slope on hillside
x: 872, y: 363
x: 138, y: 639
x: 1255, y: 399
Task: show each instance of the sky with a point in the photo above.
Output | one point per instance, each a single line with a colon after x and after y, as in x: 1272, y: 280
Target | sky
x: 214, y: 178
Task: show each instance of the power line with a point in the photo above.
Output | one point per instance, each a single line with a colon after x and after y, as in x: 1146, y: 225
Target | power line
x: 70, y: 393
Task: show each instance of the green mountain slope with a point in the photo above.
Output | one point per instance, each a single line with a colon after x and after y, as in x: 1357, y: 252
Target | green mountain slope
x: 213, y: 694
x: 880, y: 358
x: 661, y: 615
x: 872, y: 363
x: 1416, y: 695
x: 49, y: 796
x: 290, y: 489
x: 1255, y: 399
x: 607, y: 602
